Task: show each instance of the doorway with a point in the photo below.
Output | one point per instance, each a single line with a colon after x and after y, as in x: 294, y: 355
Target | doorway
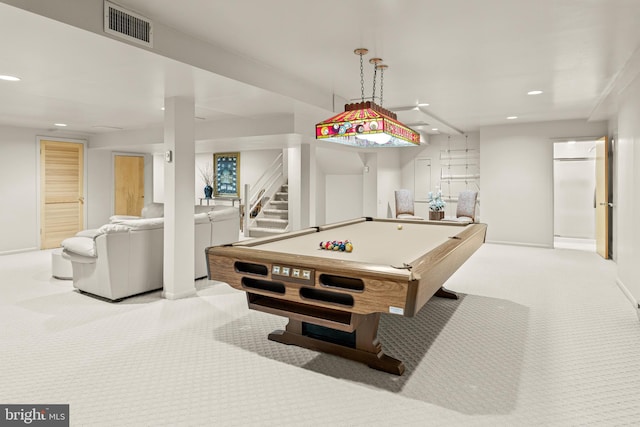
x: 422, y: 185
x: 128, y: 172
x: 574, y: 181
x: 61, y: 191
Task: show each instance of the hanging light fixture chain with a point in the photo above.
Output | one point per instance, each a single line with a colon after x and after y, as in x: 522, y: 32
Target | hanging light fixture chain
x: 375, y: 72
x: 381, y: 83
x: 361, y: 77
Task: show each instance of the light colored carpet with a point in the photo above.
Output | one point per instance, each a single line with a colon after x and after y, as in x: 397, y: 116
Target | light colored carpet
x: 538, y: 337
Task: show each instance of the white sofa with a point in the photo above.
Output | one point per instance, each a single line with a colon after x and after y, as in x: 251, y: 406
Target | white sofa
x: 222, y: 227
x: 125, y: 257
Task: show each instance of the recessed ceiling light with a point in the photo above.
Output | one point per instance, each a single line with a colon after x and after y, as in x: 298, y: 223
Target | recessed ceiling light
x: 512, y: 117
x: 10, y: 78
x: 60, y: 124
x: 434, y: 129
x: 534, y: 92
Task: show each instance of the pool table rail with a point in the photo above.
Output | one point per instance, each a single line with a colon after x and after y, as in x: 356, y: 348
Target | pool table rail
x: 329, y: 287
x: 436, y: 267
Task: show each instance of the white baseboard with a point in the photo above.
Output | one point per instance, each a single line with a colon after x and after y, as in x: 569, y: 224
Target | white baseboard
x: 635, y: 303
x: 185, y: 294
x: 18, y: 251
x: 532, y: 245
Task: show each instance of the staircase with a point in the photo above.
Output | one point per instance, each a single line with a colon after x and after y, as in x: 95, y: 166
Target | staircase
x: 274, y: 216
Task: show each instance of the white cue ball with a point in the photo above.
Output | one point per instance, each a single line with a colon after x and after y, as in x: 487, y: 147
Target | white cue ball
x: 399, y: 226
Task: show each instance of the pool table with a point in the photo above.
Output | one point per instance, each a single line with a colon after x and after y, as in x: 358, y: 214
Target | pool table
x: 334, y: 298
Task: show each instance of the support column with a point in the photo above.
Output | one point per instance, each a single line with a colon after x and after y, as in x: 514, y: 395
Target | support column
x: 179, y: 182
x: 308, y: 186
x: 370, y: 186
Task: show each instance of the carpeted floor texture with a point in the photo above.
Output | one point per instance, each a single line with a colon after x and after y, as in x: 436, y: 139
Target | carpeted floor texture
x: 538, y: 337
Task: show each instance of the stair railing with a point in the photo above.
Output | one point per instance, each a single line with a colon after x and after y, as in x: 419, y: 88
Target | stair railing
x: 264, y: 186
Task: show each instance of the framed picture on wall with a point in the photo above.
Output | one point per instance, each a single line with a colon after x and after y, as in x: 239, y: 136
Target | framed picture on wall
x: 227, y: 174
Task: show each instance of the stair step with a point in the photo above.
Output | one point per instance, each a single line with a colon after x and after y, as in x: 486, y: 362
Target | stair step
x: 279, y: 203
x: 261, y: 232
x: 272, y: 223
x: 278, y: 213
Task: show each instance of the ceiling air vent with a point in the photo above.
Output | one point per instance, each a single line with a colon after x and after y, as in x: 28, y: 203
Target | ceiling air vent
x: 127, y: 25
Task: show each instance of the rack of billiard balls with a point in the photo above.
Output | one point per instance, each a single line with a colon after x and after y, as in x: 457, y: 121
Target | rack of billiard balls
x: 337, y: 245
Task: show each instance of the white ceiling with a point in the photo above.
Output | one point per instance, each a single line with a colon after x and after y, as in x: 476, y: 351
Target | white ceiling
x: 472, y: 61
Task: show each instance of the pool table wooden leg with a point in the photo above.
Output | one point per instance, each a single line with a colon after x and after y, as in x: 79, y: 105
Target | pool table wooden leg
x: 367, y: 348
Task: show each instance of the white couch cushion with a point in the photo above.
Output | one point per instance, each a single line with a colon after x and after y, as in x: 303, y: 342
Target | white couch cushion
x: 112, y: 228
x: 118, y: 218
x: 84, y: 246
x: 142, y: 224
x: 223, y: 214
x: 201, y: 218
x: 90, y: 232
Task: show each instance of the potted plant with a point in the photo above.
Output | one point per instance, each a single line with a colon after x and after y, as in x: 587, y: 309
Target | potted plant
x: 206, y: 173
x: 436, y: 205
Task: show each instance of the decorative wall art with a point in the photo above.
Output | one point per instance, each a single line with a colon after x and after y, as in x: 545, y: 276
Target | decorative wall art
x: 227, y: 174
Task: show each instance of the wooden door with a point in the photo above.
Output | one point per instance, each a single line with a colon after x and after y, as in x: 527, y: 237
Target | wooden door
x: 602, y: 197
x: 61, y: 191
x: 129, y: 185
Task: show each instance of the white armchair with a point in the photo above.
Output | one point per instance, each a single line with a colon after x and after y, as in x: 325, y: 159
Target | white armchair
x: 119, y: 260
x: 466, y: 207
x: 404, y: 205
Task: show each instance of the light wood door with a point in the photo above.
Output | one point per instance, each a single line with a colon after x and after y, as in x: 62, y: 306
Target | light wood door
x: 61, y: 191
x: 602, y: 197
x: 129, y: 185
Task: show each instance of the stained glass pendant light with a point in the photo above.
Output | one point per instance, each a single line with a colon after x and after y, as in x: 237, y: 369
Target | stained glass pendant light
x: 367, y: 124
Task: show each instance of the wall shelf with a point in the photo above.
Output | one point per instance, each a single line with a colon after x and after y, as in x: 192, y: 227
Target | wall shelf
x: 459, y: 171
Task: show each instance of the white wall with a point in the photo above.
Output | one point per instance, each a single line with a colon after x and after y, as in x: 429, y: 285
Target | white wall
x: 627, y: 196
x: 99, y: 187
x: 340, y: 171
x: 347, y: 202
x: 18, y: 189
x: 370, y: 185
x: 389, y: 180
x: 321, y: 197
x: 158, y: 178
x: 516, y: 180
